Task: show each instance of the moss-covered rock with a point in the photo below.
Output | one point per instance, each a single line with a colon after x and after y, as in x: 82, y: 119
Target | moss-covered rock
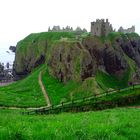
x: 31, y: 51
x: 89, y: 87
x: 68, y: 60
x: 115, y: 57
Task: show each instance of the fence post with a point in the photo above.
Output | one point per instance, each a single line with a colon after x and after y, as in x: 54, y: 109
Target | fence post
x: 62, y: 104
x: 72, y: 102
x: 133, y: 86
x: 95, y: 97
x: 118, y: 90
x: 50, y: 112
x: 83, y: 99
x: 36, y: 111
x: 106, y: 92
x: 61, y: 109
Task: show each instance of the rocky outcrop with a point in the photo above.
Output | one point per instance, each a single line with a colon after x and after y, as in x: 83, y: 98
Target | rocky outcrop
x: 12, y: 48
x: 30, y: 56
x: 131, y: 46
x: 114, y: 62
x: 69, y: 61
x: 74, y: 60
x: 31, y: 51
x: 107, y: 58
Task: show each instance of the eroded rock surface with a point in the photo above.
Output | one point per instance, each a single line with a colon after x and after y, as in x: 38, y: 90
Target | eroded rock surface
x: 70, y: 61
x: 74, y: 60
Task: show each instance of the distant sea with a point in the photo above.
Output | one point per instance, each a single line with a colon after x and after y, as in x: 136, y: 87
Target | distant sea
x: 6, y: 56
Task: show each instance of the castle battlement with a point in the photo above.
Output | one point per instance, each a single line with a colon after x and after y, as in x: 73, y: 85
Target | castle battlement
x: 101, y: 27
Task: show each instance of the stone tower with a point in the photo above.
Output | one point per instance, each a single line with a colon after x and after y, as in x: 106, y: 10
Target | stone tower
x: 101, y: 27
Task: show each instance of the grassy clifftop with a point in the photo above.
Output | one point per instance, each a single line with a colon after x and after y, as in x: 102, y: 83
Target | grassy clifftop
x: 43, y: 36
x: 31, y: 50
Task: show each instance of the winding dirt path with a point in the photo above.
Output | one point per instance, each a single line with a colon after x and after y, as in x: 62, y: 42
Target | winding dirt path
x: 19, y: 108
x: 43, y: 89
x: 31, y: 108
x: 138, y: 106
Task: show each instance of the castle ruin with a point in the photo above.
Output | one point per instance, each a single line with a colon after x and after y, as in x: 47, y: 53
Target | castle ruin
x: 66, y: 29
x: 129, y: 30
x: 101, y: 27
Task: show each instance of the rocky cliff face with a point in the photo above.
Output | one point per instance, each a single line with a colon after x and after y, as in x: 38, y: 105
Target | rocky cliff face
x: 73, y: 60
x: 131, y: 46
x: 69, y: 61
x: 107, y: 58
x: 30, y: 56
x: 31, y: 51
x: 12, y: 48
x: 67, y: 58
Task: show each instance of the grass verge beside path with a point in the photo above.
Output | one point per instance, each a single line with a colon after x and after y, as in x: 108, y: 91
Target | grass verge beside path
x: 23, y: 93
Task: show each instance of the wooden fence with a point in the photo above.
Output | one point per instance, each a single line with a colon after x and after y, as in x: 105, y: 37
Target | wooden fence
x: 89, y: 103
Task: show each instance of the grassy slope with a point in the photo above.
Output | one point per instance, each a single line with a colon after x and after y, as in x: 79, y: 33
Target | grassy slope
x: 57, y: 91
x: 39, y: 37
x: 107, y: 81
x: 24, y: 93
x: 27, y: 92
x: 116, y: 124
x: 115, y: 97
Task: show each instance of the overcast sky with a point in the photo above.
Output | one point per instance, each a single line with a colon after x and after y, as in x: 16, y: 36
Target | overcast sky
x: 18, y: 18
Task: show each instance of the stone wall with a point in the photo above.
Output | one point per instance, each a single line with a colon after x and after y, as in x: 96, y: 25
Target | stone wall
x: 129, y: 30
x: 101, y: 27
x: 66, y: 29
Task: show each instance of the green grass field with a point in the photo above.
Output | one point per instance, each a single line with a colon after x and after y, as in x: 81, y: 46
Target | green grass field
x: 23, y: 93
x: 116, y: 124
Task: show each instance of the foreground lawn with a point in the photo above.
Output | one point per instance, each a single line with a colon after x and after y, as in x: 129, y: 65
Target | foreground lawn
x: 23, y: 93
x: 116, y: 124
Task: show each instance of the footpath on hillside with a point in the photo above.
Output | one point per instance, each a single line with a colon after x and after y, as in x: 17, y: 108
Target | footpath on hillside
x: 48, y: 103
x: 43, y: 89
x: 47, y: 100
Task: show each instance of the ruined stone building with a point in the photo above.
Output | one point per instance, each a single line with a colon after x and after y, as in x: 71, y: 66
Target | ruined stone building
x: 58, y: 29
x: 101, y: 27
x: 66, y: 29
x: 129, y: 30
